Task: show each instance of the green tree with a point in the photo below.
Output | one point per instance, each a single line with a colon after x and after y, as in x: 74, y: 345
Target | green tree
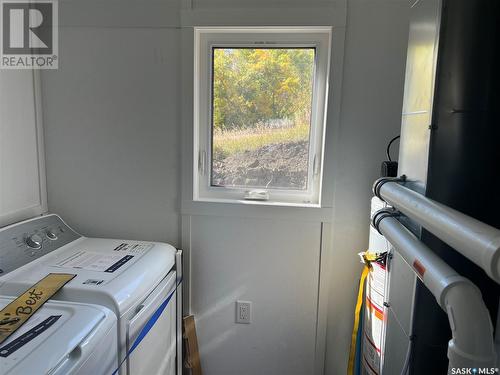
x: 257, y: 85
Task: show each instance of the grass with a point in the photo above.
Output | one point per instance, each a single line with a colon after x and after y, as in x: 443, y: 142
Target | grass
x: 231, y: 142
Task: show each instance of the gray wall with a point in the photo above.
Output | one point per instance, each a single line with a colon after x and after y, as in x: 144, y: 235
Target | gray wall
x: 272, y: 256
x: 372, y: 96
x: 111, y: 122
x: 112, y: 117
x: 275, y: 265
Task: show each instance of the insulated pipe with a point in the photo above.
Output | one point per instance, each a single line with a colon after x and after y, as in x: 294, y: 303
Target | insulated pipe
x: 472, y: 344
x: 475, y: 240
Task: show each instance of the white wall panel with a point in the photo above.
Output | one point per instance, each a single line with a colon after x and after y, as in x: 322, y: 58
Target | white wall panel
x: 274, y: 264
x: 270, y: 255
x: 22, y: 175
x: 119, y: 13
x: 258, y: 3
x: 372, y: 96
x: 112, y: 132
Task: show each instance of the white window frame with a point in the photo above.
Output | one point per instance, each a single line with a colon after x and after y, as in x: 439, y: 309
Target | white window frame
x: 208, y: 37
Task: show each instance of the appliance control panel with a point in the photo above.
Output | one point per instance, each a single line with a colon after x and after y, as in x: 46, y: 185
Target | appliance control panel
x: 24, y: 242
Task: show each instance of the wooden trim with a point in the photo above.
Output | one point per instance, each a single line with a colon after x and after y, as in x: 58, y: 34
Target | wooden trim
x: 192, y: 354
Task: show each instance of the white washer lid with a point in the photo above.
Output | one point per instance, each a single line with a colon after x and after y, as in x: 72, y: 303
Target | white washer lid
x: 117, y: 274
x: 58, y: 336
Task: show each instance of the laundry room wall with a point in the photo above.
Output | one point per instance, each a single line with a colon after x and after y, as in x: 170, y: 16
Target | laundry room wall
x: 372, y: 97
x: 111, y: 119
x: 298, y: 267
x: 271, y: 256
x: 117, y: 119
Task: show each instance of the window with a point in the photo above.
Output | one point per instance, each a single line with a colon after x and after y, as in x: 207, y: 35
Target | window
x: 259, y: 113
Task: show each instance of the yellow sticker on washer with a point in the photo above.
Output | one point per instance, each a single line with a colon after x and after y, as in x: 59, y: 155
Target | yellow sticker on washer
x: 16, y: 313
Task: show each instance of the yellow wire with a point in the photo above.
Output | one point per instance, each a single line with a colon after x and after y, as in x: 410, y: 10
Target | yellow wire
x: 359, y: 303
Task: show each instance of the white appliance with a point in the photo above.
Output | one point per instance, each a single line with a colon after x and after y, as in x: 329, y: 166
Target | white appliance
x: 131, y: 278
x: 61, y: 339
x: 375, y: 313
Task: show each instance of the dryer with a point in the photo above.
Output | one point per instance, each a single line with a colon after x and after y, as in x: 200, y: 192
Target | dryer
x: 136, y: 280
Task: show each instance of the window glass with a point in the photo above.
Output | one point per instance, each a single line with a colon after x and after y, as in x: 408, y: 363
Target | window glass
x: 261, y: 117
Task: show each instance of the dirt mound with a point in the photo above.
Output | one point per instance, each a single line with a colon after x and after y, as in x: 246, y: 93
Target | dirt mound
x: 280, y: 165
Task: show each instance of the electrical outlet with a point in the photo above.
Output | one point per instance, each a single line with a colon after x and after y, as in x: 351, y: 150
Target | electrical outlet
x: 243, y: 312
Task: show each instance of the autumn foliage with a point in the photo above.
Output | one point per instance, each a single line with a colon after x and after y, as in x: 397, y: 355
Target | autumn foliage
x: 261, y: 87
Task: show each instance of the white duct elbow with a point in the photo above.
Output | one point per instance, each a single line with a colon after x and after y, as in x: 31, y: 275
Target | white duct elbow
x: 471, y: 344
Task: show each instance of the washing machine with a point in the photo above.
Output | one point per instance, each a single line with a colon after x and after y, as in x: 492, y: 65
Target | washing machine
x: 62, y: 338
x: 136, y: 280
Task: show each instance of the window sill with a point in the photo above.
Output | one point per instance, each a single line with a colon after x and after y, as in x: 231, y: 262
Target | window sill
x: 259, y: 202
x: 258, y: 209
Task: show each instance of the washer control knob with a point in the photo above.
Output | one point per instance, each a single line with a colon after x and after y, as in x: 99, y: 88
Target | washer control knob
x: 51, y: 234
x: 34, y: 241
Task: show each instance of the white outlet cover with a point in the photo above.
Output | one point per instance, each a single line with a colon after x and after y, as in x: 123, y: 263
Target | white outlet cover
x: 243, y: 312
